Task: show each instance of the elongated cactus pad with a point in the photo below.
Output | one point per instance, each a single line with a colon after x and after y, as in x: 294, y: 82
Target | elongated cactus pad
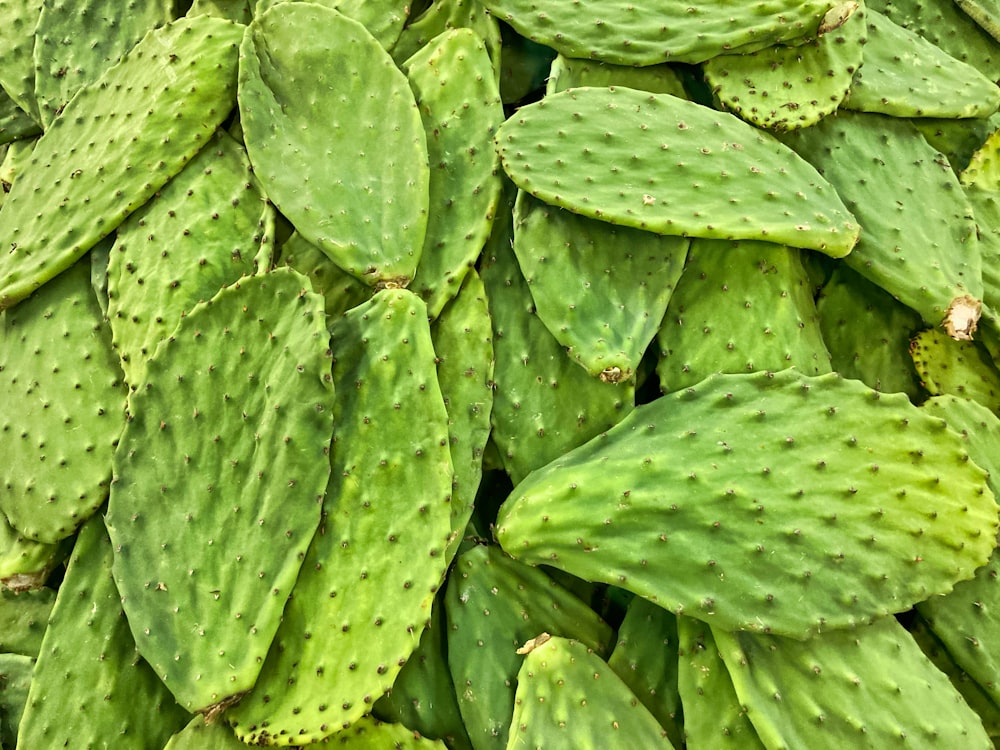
x: 17, y: 43
x: 768, y: 502
x: 666, y: 165
x: 90, y: 687
x: 164, y: 99
x: 219, y: 477
x: 354, y: 189
x: 569, y: 72
x: 370, y: 575
x: 868, y: 687
x: 647, y: 33
x: 63, y: 408
x: 459, y: 101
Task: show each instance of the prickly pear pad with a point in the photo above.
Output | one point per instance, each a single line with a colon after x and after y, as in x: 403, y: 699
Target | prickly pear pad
x: 666, y: 165
x: 63, y: 408
x: 218, y: 481
x: 647, y: 33
x: 369, y: 577
x: 867, y: 687
x: 114, y: 145
x: 776, y: 503
x: 354, y: 188
x: 567, y: 696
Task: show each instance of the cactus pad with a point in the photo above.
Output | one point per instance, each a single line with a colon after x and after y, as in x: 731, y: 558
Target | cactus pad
x: 163, y: 99
x: 301, y: 62
x: 209, y: 525
x: 666, y: 165
x: 777, y: 502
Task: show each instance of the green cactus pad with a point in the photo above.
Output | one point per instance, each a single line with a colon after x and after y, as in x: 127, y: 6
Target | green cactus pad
x: 24, y: 616
x: 713, y: 715
x: 423, y: 696
x: 15, y: 161
x: 568, y: 72
x: 977, y: 698
x: 495, y: 604
x: 961, y: 368
x: 868, y: 332
x: 17, y: 44
x: 443, y: 15
x: 459, y: 101
x: 646, y: 659
x: 209, y: 527
x: 666, y: 165
x: 384, y: 19
x: 740, y: 307
x: 463, y: 344
x: 369, y: 577
x: 788, y: 87
x: 601, y: 290
x: 75, y: 42
x: 340, y: 290
x: 90, y: 687
x: 779, y: 503
x: 871, y: 687
x: 965, y: 620
x: 371, y: 216
x: 64, y: 408
x: 26, y: 564
x: 533, y: 422
x: 651, y: 33
x: 164, y: 98
x: 567, y: 696
x: 240, y: 11
x: 920, y: 244
x: 904, y: 75
x: 15, y: 681
x: 944, y: 24
x: 203, y: 231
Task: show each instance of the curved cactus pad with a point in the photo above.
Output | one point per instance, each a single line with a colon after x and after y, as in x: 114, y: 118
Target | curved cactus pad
x: 653, y: 32
x: 115, y: 144
x: 776, y: 503
x: 219, y: 477
x: 567, y: 696
x: 355, y: 188
x: 666, y: 165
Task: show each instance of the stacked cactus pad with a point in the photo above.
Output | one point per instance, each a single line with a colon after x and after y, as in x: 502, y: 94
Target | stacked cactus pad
x: 499, y: 374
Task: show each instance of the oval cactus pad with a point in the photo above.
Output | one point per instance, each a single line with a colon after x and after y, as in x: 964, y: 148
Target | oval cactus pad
x: 666, y: 165
x: 771, y: 502
x: 355, y: 189
x: 210, y: 514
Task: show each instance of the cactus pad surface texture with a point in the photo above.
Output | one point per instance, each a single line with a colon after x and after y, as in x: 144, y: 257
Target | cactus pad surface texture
x: 499, y: 374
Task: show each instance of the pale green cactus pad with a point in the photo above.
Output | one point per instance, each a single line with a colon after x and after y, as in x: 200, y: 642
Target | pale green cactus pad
x: 666, y: 165
x: 869, y: 687
x: 568, y: 73
x: 209, y: 526
x: 300, y: 61
x: 770, y: 484
x: 64, y: 408
x: 647, y: 33
x: 165, y: 98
